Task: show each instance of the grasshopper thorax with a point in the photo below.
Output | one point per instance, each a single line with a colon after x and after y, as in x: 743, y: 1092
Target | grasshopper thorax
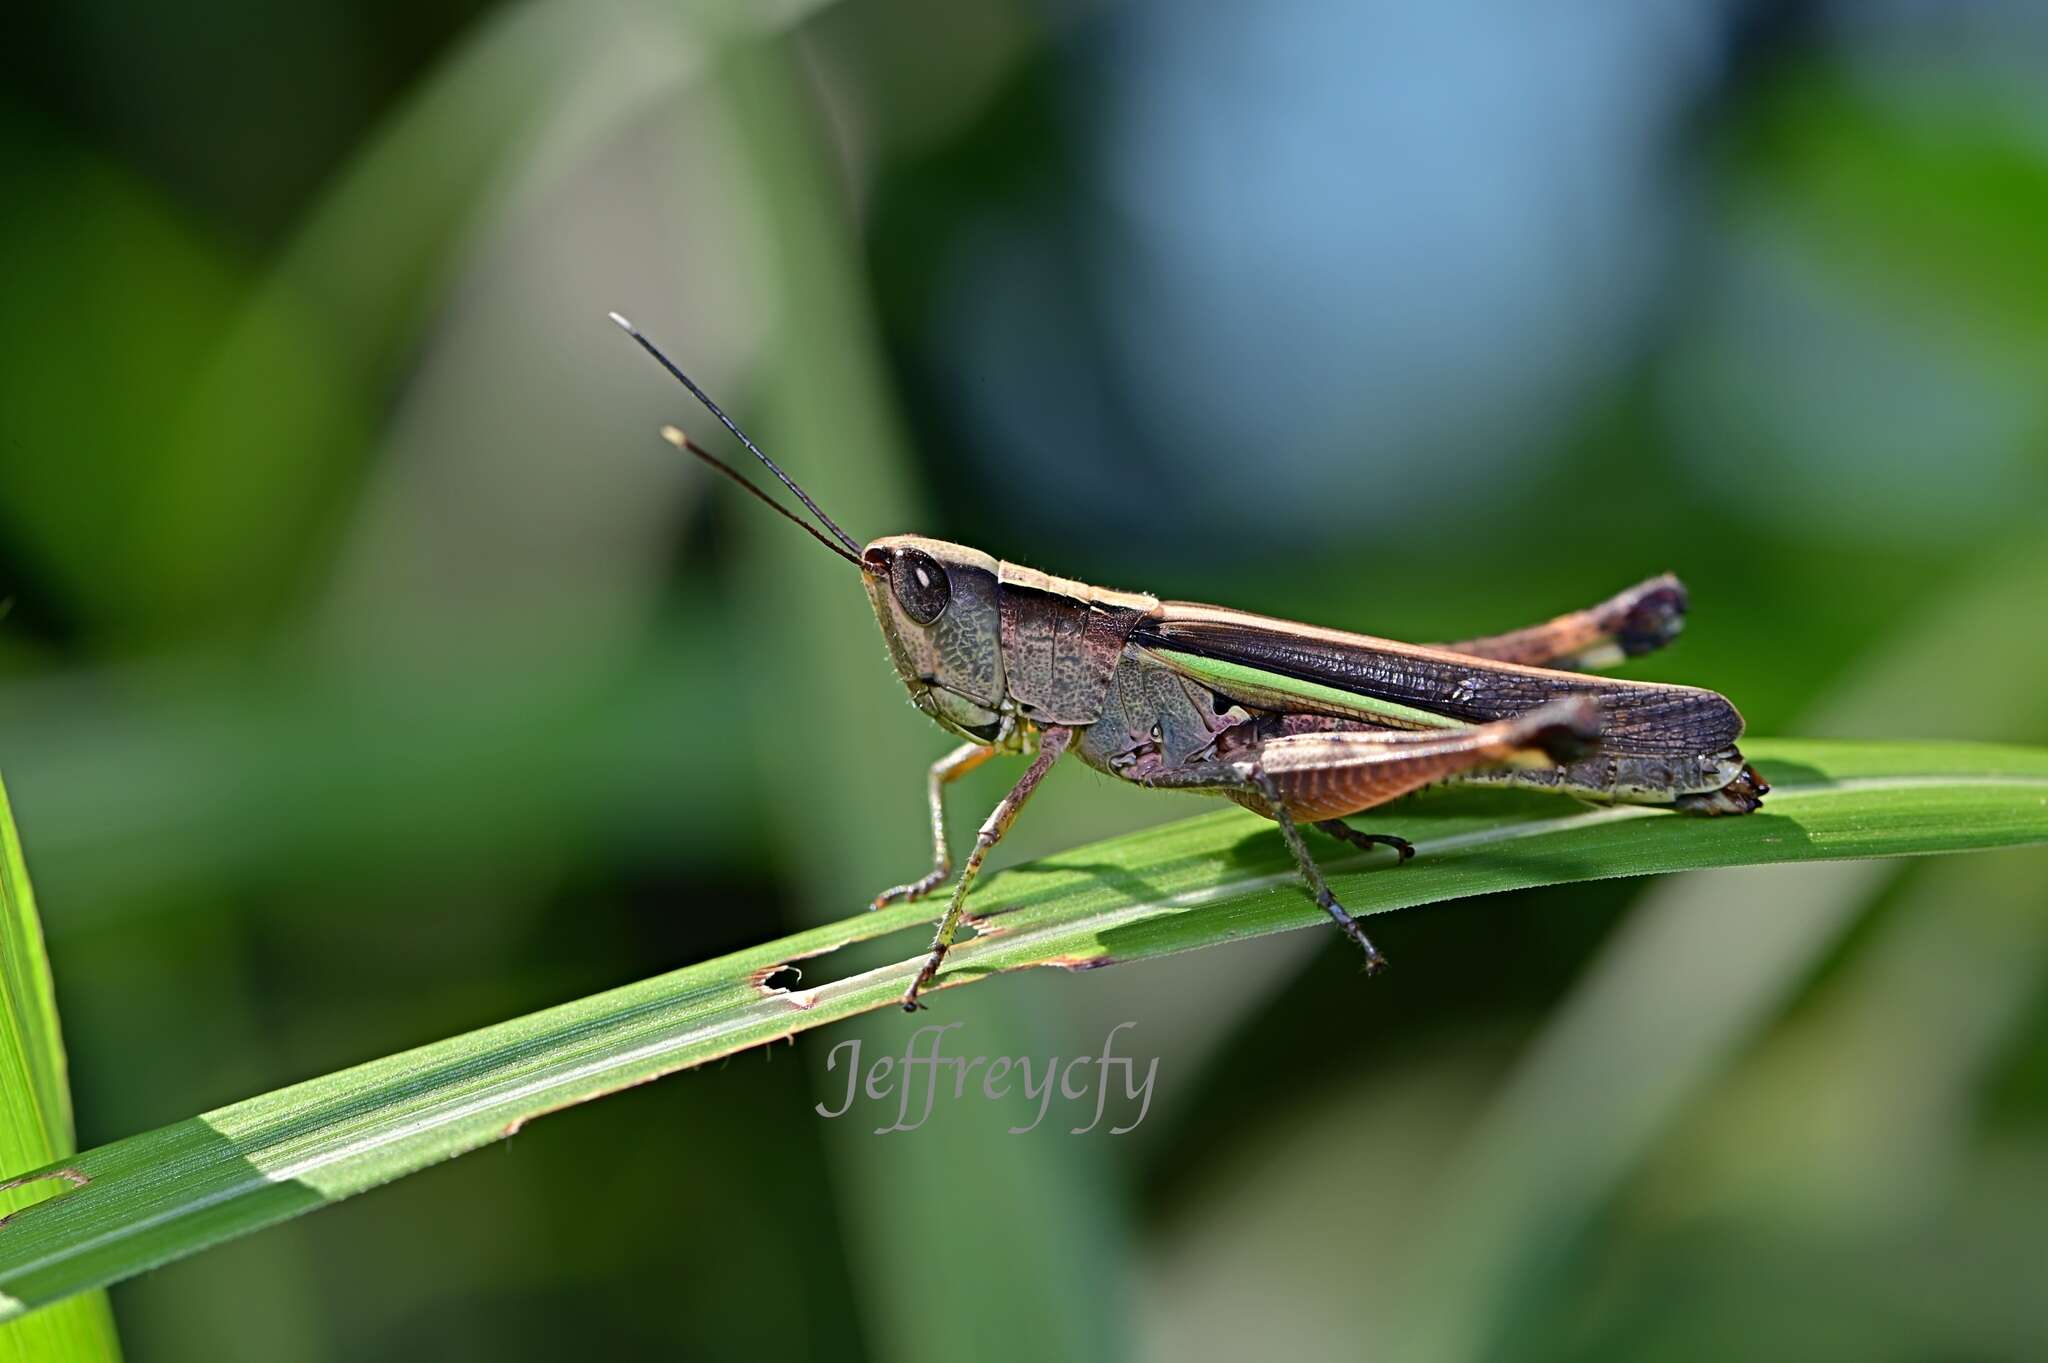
x: 938, y: 608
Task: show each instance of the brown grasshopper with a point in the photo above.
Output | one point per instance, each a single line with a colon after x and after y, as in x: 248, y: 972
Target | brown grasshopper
x: 1295, y: 722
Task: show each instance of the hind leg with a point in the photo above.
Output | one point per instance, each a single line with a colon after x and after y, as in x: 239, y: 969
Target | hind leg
x: 1321, y: 777
x: 1640, y: 620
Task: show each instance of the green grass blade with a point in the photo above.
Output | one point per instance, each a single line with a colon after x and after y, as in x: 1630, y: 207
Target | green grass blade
x: 154, y: 1197
x: 35, y: 1109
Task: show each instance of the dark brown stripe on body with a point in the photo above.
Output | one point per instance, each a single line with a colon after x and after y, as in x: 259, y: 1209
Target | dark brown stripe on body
x: 1642, y: 719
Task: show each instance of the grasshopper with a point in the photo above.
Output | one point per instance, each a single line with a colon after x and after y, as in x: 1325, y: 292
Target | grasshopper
x: 1297, y: 723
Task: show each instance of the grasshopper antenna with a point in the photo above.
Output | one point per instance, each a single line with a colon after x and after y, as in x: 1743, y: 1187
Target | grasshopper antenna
x: 651, y: 348
x: 683, y: 442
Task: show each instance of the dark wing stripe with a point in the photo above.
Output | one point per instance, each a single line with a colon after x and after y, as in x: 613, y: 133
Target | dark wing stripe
x: 1642, y: 719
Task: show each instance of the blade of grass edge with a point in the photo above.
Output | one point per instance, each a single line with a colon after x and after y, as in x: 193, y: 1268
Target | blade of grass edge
x: 35, y: 1110
x: 160, y: 1195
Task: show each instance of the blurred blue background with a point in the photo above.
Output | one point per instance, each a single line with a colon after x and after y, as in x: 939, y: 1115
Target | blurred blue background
x: 373, y: 672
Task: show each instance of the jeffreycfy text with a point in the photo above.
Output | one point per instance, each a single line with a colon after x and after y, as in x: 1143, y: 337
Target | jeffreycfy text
x: 1088, y: 1087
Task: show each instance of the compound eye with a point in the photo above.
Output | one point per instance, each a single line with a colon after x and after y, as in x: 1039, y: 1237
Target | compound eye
x: 920, y: 584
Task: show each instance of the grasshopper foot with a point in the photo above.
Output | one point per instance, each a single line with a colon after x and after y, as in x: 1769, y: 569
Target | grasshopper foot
x: 905, y: 894
x: 911, y: 1003
x: 1344, y: 832
x: 1375, y: 961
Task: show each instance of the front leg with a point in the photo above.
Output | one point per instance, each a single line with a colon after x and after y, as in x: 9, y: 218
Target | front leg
x: 1051, y: 743
x: 944, y: 772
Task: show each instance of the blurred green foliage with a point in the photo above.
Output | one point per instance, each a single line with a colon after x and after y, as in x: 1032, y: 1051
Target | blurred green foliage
x: 35, y: 1110
x: 374, y: 674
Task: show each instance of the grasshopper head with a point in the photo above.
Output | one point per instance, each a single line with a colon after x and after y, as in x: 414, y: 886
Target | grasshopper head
x: 936, y: 604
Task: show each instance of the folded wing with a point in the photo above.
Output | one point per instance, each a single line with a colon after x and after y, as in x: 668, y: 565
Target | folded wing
x: 1264, y: 660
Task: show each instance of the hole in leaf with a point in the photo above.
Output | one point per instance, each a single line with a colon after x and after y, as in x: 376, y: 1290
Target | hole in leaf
x: 19, y: 1193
